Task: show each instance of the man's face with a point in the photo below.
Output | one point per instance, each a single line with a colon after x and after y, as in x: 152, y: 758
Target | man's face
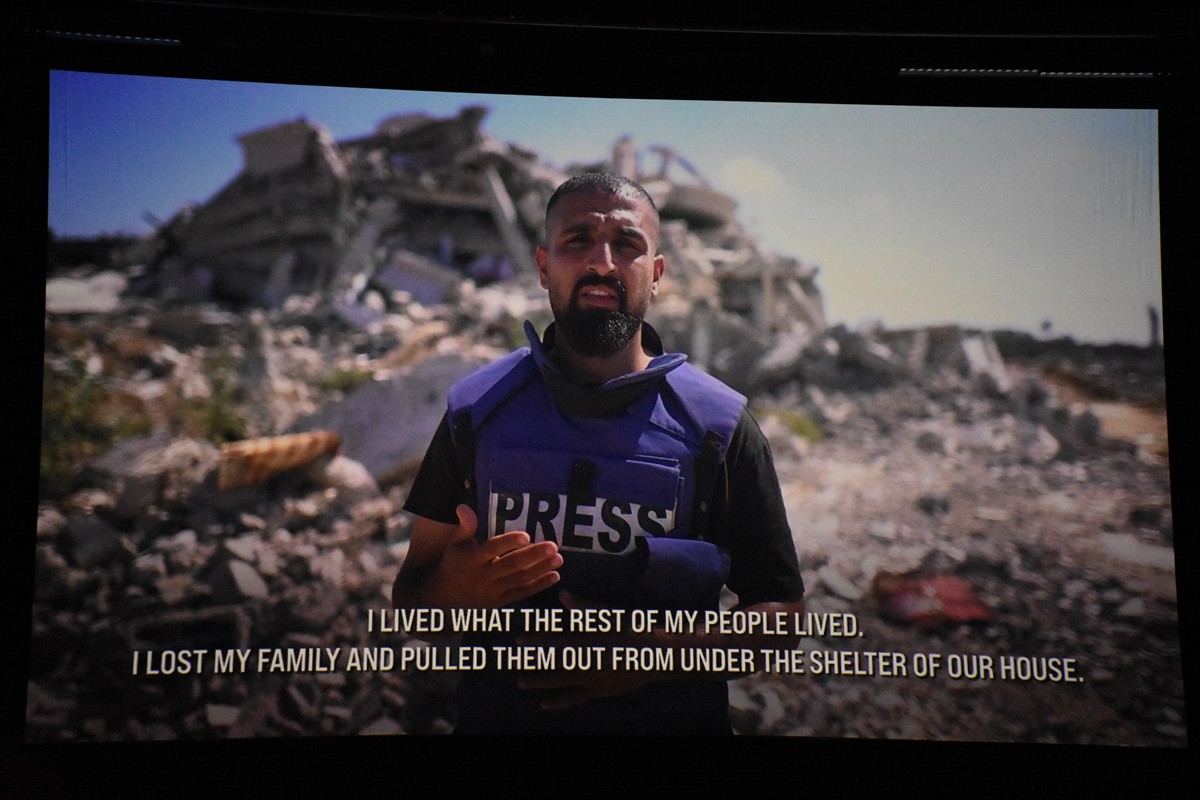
x: 600, y: 265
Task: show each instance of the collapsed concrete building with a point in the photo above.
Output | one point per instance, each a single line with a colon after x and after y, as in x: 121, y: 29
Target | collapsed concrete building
x: 423, y: 203
x: 423, y: 206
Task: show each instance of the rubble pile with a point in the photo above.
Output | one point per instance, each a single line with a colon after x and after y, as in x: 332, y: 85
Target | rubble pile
x: 292, y: 564
x: 360, y: 279
x: 1058, y: 520
x: 411, y: 210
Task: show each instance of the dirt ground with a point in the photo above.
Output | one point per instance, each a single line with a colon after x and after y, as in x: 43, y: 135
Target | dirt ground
x: 1071, y: 554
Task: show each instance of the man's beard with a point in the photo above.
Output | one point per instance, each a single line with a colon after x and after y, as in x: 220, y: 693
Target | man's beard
x: 597, y: 332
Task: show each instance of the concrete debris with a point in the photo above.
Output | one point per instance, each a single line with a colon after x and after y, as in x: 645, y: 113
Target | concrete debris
x: 386, y: 425
x: 233, y: 581
x: 1128, y: 548
x: 91, y: 541
x: 424, y: 210
x: 839, y: 584
x: 97, y: 294
x: 152, y: 470
x: 411, y: 211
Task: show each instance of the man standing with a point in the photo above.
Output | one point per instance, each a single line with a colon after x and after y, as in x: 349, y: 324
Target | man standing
x: 593, y: 470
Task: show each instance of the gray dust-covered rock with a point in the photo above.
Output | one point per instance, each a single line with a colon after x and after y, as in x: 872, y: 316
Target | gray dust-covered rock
x: 386, y: 425
x: 153, y: 471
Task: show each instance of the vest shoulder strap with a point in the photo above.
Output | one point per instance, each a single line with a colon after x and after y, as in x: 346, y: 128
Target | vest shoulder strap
x: 472, y: 399
x: 714, y: 409
x: 711, y: 405
x: 483, y: 390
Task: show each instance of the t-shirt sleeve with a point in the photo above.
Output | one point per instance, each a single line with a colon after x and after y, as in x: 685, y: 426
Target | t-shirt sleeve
x: 439, y: 486
x: 763, y: 564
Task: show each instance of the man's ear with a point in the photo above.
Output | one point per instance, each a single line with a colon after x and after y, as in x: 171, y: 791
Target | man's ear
x: 660, y: 266
x: 539, y: 258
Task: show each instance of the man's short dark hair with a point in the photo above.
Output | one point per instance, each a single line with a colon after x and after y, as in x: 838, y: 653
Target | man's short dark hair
x: 604, y: 183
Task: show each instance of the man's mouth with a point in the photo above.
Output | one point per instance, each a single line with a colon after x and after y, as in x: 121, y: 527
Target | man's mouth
x: 600, y: 294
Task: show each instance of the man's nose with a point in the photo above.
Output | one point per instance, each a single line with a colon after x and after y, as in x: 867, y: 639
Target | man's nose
x: 600, y: 259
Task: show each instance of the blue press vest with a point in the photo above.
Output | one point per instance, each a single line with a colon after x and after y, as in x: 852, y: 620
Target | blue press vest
x: 618, y: 493
x: 625, y: 498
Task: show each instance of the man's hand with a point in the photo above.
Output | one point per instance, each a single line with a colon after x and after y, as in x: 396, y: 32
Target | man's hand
x: 490, y: 574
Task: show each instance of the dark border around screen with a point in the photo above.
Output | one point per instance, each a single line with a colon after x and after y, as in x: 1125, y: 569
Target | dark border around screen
x: 1094, y: 62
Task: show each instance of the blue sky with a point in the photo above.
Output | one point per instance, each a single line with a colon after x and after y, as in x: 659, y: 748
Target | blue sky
x: 990, y: 217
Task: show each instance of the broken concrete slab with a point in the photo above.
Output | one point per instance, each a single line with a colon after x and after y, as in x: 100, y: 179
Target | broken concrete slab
x: 98, y: 294
x: 154, y: 470
x: 386, y: 425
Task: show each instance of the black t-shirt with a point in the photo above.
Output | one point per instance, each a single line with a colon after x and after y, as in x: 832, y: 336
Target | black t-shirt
x: 749, y: 520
